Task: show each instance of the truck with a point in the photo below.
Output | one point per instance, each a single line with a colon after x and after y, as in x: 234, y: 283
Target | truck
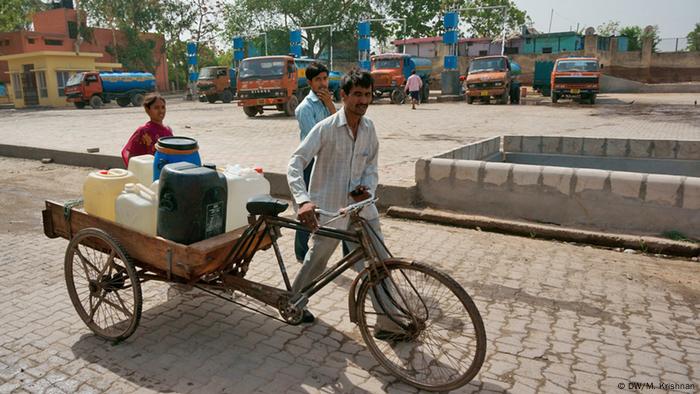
x: 391, y: 70
x: 98, y: 88
x: 277, y: 82
x: 493, y: 77
x: 216, y: 83
x: 541, y: 81
x: 576, y: 77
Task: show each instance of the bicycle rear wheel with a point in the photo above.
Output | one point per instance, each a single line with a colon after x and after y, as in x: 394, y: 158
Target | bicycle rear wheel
x: 442, y: 342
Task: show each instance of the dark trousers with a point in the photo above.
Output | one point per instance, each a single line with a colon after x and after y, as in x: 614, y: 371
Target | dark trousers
x: 301, y: 239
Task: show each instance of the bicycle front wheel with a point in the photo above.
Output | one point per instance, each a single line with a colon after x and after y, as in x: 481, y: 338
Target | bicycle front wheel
x: 421, y: 325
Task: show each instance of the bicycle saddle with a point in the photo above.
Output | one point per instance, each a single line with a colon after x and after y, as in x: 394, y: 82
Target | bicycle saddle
x: 265, y: 205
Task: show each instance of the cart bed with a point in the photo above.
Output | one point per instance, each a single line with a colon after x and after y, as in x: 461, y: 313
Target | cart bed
x: 156, y: 254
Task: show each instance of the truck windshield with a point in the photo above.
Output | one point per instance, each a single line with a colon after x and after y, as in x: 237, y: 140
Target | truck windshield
x: 207, y: 73
x: 262, y: 69
x: 75, y: 79
x: 577, y: 65
x: 383, y: 64
x: 486, y: 65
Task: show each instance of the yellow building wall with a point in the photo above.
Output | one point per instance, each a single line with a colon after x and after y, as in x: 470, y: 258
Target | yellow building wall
x: 50, y: 64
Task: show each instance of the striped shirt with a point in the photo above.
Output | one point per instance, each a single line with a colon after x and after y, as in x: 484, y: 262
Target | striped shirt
x: 342, y: 164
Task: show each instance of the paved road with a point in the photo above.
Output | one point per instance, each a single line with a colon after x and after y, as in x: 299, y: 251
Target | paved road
x: 559, y: 317
x: 226, y: 135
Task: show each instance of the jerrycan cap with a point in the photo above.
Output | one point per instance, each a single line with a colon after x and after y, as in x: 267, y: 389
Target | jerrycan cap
x: 259, y: 170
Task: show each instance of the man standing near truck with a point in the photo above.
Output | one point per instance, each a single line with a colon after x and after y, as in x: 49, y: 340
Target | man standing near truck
x: 413, y: 87
x: 316, y: 106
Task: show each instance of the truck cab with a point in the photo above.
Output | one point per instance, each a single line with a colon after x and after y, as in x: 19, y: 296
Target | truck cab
x: 492, y: 77
x: 391, y: 70
x: 216, y: 83
x: 268, y: 82
x: 81, y: 87
x: 575, y: 77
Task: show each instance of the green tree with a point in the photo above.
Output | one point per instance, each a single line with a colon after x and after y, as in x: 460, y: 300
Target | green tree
x: 249, y: 18
x: 651, y: 32
x: 489, y: 22
x: 423, y: 17
x: 16, y: 14
x: 633, y: 34
x: 608, y: 28
x: 694, y: 39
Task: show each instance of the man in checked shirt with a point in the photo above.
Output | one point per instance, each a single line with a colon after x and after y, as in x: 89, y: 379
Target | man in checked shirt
x: 345, y: 148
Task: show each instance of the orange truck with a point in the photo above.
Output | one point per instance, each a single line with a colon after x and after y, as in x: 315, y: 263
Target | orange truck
x: 98, y: 88
x: 269, y: 82
x: 576, y: 77
x: 390, y: 71
x: 493, y: 77
x: 216, y: 83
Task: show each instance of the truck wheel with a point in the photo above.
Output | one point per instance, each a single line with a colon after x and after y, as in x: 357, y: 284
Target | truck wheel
x: 377, y: 94
x: 555, y: 97
x: 504, y: 97
x: 137, y: 99
x: 211, y: 99
x: 591, y: 99
x: 546, y: 92
x: 291, y: 105
x: 425, y: 93
x: 250, y: 111
x: 470, y: 99
x: 202, y: 99
x: 226, y: 96
x: 515, y: 96
x: 123, y: 102
x: 79, y: 104
x: 397, y: 96
x: 96, y: 102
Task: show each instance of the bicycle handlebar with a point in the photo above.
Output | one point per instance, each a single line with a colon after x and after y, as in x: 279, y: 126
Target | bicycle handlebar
x: 356, y: 207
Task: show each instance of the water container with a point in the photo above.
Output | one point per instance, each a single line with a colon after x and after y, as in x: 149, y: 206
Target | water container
x: 243, y: 183
x: 191, y: 203
x: 136, y: 208
x: 142, y: 167
x: 175, y: 150
x: 101, y: 189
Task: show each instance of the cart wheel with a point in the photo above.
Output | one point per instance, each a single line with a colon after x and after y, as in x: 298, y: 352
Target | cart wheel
x: 103, y: 285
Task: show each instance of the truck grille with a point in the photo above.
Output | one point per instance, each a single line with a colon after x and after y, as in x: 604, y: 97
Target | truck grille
x: 483, y: 85
x: 576, y: 80
x: 261, y: 93
x: 73, y: 95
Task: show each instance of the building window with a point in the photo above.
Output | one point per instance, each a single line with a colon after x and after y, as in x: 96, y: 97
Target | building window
x: 527, y: 40
x: 30, y: 40
x: 511, y: 50
x: 55, y: 43
x: 483, y: 53
x: 61, y: 79
x: 17, y: 85
x: 547, y: 50
x: 41, y: 81
x: 72, y: 30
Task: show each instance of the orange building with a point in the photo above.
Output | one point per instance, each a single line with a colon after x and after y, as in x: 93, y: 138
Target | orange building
x: 34, y: 65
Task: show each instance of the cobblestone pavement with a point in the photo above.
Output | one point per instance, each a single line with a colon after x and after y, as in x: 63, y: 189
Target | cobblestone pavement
x: 559, y: 317
x: 226, y: 135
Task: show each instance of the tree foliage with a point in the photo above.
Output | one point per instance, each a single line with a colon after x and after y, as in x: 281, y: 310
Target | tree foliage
x: 607, y: 29
x: 652, y: 33
x: 249, y: 18
x: 16, y: 14
x: 694, y: 39
x: 633, y: 34
x: 489, y: 22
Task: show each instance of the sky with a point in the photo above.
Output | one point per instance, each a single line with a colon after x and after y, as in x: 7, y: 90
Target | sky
x: 675, y: 18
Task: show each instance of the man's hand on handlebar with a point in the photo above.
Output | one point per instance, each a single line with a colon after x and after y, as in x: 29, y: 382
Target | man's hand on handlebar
x: 360, y: 193
x: 307, y: 215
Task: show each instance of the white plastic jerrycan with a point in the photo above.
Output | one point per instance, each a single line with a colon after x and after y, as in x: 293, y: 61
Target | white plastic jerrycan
x: 243, y: 183
x: 142, y: 167
x: 101, y: 189
x: 137, y: 208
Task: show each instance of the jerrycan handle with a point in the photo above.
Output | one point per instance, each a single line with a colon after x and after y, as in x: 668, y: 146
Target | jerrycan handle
x: 145, y: 192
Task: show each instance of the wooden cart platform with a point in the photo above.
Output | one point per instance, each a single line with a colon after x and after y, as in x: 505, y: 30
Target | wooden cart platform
x: 173, y: 261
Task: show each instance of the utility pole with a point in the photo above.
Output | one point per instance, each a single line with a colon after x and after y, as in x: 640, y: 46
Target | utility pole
x: 551, y: 15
